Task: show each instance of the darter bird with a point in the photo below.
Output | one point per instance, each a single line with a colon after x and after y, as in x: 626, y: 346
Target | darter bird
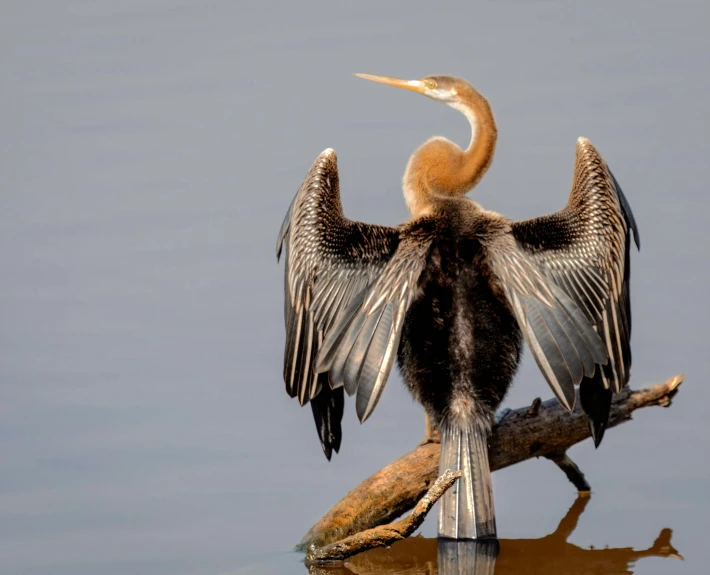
x: 452, y: 293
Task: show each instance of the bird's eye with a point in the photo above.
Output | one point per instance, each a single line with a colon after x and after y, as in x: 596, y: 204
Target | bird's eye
x: 431, y: 84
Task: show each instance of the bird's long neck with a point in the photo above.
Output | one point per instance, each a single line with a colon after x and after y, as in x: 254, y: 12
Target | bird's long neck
x: 440, y: 168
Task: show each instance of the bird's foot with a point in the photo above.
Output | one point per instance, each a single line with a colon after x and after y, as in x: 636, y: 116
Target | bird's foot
x: 433, y: 437
x: 431, y: 433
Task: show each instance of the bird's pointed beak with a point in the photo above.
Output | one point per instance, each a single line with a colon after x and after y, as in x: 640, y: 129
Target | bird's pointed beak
x: 414, y: 85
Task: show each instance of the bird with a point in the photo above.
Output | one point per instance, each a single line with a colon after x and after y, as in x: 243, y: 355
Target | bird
x: 451, y: 295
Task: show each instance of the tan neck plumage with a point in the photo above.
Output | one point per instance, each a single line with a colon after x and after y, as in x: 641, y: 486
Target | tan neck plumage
x: 439, y: 168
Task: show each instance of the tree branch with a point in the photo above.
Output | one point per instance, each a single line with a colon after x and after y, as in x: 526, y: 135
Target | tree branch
x: 384, y: 535
x: 570, y: 469
x: 545, y: 430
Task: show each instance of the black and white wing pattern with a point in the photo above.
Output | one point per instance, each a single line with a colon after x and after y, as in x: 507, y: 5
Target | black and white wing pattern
x: 584, y: 249
x: 330, y: 260
x: 359, y: 350
x: 563, y: 342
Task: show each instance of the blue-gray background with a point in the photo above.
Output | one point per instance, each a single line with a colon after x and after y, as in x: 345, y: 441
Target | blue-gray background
x: 148, y: 151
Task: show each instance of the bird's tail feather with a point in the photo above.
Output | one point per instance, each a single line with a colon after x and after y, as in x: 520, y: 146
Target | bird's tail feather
x: 466, y: 509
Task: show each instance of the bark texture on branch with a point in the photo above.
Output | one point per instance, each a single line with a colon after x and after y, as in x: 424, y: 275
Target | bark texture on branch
x: 547, y: 430
x: 384, y: 535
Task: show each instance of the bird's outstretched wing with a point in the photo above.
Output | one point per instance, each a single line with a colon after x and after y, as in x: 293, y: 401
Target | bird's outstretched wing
x: 563, y: 342
x: 330, y: 260
x: 359, y: 350
x: 584, y: 249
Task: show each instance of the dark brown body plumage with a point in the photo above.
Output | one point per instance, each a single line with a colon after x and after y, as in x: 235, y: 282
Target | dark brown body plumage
x: 461, y: 343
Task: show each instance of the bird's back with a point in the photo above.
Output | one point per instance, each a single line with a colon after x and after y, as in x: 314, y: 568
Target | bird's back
x: 460, y: 338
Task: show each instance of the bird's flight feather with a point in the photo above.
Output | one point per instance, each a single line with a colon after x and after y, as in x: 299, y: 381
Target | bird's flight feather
x: 584, y: 249
x: 330, y: 261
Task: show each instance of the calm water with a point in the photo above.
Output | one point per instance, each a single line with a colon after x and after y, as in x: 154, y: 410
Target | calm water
x: 148, y: 152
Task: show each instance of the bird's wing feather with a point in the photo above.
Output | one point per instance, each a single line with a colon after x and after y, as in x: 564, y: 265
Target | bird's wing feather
x: 584, y: 249
x: 359, y: 351
x: 330, y: 260
x: 564, y: 344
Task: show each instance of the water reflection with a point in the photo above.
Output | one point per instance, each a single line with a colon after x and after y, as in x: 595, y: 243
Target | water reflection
x: 467, y: 557
x: 549, y: 554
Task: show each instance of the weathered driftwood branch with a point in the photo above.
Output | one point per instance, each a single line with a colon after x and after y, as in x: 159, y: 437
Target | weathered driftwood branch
x: 384, y: 535
x: 543, y: 430
x: 570, y: 469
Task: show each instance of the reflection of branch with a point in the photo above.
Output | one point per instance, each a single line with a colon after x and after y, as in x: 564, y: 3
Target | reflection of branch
x: 569, y: 522
x: 384, y: 534
x: 549, y: 554
x: 547, y: 430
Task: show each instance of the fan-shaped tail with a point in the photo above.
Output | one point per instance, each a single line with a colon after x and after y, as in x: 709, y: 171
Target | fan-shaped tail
x: 466, y: 509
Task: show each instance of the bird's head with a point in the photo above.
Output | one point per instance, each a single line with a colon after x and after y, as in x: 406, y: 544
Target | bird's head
x: 439, y: 166
x: 447, y: 89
